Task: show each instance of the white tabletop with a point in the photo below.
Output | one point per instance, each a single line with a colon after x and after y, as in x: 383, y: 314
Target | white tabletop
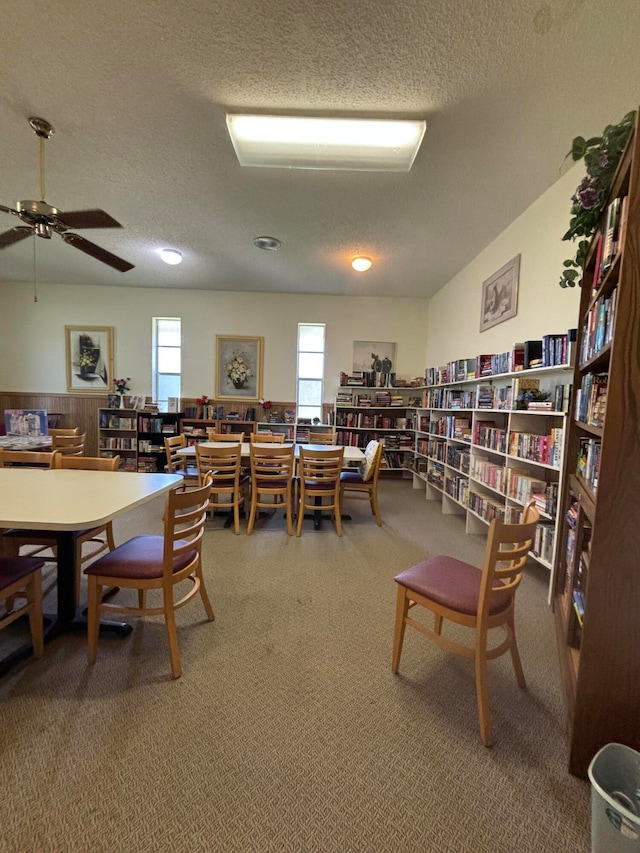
x: 67, y: 499
x: 351, y: 454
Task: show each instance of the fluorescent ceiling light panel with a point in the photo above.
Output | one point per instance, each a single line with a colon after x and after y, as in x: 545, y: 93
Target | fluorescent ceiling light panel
x: 300, y: 142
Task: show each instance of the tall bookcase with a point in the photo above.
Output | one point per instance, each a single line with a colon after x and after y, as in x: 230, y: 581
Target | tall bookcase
x: 118, y: 436
x: 597, y: 592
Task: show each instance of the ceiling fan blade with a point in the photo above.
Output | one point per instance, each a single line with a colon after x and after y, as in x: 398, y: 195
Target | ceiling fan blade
x: 96, y: 252
x: 8, y: 210
x: 15, y: 235
x: 87, y: 219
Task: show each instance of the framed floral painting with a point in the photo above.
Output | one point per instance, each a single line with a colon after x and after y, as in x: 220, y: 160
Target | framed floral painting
x: 89, y: 359
x: 238, y: 367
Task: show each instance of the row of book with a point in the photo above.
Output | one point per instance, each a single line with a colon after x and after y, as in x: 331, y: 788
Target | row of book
x: 588, y: 466
x: 361, y: 420
x: 457, y: 457
x: 611, y: 239
x: 109, y: 421
x: 597, y: 329
x: 390, y: 441
x: 451, y: 426
x: 487, y: 434
x: 457, y: 487
x: 157, y: 425
x: 544, y: 449
x: 117, y: 443
x: 449, y: 398
x: 553, y: 350
x: 379, y: 400
x: 370, y: 379
x: 591, y: 399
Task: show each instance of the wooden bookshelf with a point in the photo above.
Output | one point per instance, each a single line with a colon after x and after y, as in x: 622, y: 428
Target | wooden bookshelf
x: 597, y: 561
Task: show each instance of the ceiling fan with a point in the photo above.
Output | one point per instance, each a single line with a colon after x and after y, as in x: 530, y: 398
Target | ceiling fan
x: 44, y: 220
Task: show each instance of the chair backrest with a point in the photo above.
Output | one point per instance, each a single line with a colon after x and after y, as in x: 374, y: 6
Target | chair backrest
x: 70, y: 445
x: 212, y: 435
x: 86, y: 463
x: 370, y: 466
x: 322, y: 437
x: 505, y: 556
x: 223, y: 462
x: 321, y: 465
x: 267, y: 437
x: 65, y: 431
x: 26, y: 458
x: 271, y: 464
x: 184, y: 518
x: 175, y: 464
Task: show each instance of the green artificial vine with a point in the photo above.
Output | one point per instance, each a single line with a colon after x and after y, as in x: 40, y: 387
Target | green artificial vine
x: 601, y: 155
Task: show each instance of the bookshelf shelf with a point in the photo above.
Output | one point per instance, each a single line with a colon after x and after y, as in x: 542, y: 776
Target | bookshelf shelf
x: 597, y: 575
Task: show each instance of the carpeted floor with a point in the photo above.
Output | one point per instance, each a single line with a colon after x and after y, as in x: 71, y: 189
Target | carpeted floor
x: 287, y: 730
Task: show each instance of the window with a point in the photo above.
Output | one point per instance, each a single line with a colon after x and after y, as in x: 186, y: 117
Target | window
x: 310, y: 382
x: 167, y: 357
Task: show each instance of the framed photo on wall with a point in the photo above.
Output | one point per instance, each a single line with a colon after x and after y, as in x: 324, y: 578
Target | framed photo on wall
x: 374, y: 355
x: 89, y: 351
x: 500, y: 295
x: 238, y: 367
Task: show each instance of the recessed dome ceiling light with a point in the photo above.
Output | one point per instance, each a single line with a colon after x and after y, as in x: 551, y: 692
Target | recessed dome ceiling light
x: 269, y: 244
x: 171, y: 256
x: 361, y: 264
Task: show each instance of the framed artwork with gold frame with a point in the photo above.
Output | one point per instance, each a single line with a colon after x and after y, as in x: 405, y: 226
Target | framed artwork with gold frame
x: 239, y: 367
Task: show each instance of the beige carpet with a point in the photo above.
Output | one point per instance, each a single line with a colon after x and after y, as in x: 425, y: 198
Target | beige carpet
x: 287, y: 730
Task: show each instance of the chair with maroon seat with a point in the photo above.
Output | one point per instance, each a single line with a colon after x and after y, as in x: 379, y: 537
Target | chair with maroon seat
x: 230, y: 484
x: 272, y: 480
x: 20, y: 577
x: 155, y: 562
x: 319, y: 483
x: 479, y: 599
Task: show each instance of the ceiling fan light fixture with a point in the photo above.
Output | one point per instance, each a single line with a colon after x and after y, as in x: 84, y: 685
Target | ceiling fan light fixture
x: 312, y: 142
x: 361, y: 264
x: 269, y: 244
x: 171, y: 256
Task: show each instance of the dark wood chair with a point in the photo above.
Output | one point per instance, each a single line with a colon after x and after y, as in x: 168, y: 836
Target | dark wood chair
x: 21, y: 578
x: 478, y: 599
x: 155, y: 562
x: 271, y: 480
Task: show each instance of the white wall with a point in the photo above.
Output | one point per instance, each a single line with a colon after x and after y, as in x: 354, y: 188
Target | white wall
x: 543, y: 306
x: 32, y: 343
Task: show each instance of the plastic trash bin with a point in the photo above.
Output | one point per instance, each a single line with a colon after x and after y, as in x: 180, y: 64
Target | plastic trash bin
x: 615, y: 800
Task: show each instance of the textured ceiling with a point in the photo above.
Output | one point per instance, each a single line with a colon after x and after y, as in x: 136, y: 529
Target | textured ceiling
x: 138, y: 90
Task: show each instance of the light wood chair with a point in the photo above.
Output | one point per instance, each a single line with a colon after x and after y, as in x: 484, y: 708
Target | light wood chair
x: 267, y: 437
x: 479, y: 599
x: 65, y: 431
x: 69, y: 445
x: 229, y: 484
x: 177, y: 464
x: 323, y: 437
x: 237, y: 437
x: 27, y: 458
x: 319, y: 472
x: 364, y: 486
x: 272, y: 480
x: 100, y: 539
x: 21, y: 577
x: 155, y: 562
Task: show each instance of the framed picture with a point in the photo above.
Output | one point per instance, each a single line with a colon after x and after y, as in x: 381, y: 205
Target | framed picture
x: 238, y: 367
x: 374, y: 355
x: 113, y: 401
x: 89, y: 358
x: 500, y: 295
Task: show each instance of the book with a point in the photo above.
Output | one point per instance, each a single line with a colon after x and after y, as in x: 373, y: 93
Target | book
x: 532, y: 354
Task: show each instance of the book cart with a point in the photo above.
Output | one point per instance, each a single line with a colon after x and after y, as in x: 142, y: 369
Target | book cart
x: 597, y: 589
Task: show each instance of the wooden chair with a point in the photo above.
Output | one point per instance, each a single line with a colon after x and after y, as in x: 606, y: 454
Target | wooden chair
x: 155, y: 562
x: 21, y: 577
x: 363, y: 484
x: 100, y: 539
x: 272, y: 480
x: 27, y: 458
x: 69, y: 445
x: 177, y: 464
x: 323, y: 437
x: 237, y: 437
x: 320, y: 481
x: 64, y: 431
x: 267, y: 437
x: 229, y: 481
x: 479, y: 599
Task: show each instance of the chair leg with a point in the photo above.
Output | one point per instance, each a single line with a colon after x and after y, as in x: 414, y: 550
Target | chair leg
x: 141, y: 598
x: 300, y: 512
x: 375, y: 509
x: 484, y: 715
x: 402, y: 608
x: 34, y: 595
x: 78, y: 571
x: 93, y: 621
x: 338, y: 513
x: 204, y: 594
x: 437, y: 624
x: 515, y: 654
x: 253, y: 511
x: 172, y: 634
x: 236, y: 514
x: 111, y: 542
x: 289, y: 501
